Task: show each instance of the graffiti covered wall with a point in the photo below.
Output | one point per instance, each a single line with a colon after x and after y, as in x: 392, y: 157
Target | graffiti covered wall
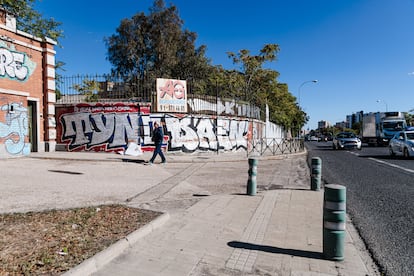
x: 110, y: 127
x: 14, y: 130
x: 13, y: 64
x: 27, y: 90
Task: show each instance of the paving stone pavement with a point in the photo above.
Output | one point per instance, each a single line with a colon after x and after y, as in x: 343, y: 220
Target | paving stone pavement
x: 211, y: 226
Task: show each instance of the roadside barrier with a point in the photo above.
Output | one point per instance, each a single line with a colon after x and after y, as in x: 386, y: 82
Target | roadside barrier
x: 334, y: 221
x: 316, y: 174
x: 251, y: 183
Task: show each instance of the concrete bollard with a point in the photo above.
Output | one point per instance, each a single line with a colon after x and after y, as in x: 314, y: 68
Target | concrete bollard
x: 316, y: 174
x: 251, y: 183
x: 334, y: 221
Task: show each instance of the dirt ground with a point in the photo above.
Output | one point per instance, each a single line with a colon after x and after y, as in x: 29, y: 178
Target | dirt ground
x: 52, y: 242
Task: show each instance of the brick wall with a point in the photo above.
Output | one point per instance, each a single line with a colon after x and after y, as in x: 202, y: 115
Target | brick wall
x: 27, y: 91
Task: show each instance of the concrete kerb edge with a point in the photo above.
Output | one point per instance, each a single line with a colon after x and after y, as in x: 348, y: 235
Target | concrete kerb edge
x: 362, y: 250
x: 181, y: 158
x: 99, y: 260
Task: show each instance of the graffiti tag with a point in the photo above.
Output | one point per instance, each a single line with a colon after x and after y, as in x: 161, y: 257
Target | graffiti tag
x: 12, y: 65
x: 15, y: 129
x: 111, y: 130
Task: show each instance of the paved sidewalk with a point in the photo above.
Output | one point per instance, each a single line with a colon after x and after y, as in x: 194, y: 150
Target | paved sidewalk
x: 276, y: 232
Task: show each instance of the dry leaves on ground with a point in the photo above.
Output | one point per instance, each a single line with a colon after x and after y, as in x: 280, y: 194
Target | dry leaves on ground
x: 52, y: 242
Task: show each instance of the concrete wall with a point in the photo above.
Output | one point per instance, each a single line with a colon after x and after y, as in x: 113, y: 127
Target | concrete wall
x: 111, y: 127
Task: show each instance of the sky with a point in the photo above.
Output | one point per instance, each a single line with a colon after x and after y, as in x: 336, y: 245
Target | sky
x: 360, y: 51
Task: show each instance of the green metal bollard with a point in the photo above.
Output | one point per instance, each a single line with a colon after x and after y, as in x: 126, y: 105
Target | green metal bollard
x: 316, y: 174
x: 251, y: 183
x: 334, y: 222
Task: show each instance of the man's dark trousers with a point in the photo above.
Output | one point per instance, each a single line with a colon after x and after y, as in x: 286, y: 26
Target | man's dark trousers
x: 158, y: 150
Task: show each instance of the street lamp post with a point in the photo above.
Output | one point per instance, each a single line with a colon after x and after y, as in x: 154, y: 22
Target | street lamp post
x: 386, y: 106
x: 303, y: 83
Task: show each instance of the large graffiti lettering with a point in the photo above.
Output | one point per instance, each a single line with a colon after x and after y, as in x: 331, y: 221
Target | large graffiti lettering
x: 15, y: 129
x: 106, y: 130
x: 15, y: 65
x: 112, y: 131
x: 191, y: 133
x: 93, y: 128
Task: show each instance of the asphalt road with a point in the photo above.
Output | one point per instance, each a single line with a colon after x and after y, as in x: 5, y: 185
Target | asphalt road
x: 380, y: 191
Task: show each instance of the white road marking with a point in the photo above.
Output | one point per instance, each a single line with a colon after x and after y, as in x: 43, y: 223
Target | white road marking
x: 391, y: 165
x: 385, y: 163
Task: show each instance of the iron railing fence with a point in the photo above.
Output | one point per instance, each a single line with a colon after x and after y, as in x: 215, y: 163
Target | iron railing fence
x: 274, y: 146
x: 102, y: 88
x: 108, y: 88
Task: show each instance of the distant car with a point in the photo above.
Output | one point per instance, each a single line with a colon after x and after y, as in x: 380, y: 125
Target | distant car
x: 346, y: 140
x: 313, y: 138
x: 402, y: 144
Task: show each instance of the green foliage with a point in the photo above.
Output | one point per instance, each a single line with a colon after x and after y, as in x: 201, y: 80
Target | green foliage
x: 409, y: 117
x: 156, y: 46
x: 285, y: 110
x: 89, y: 88
x: 260, y: 87
x: 256, y: 80
x: 357, y: 128
x: 333, y: 130
x: 31, y: 21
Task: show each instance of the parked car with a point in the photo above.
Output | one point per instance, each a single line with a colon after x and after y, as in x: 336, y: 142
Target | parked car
x: 402, y: 144
x: 346, y: 140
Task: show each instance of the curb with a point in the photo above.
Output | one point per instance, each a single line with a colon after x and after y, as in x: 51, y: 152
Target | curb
x: 366, y: 257
x: 173, y: 158
x: 99, y: 260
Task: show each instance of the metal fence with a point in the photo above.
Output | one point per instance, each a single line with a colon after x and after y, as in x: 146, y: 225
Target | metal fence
x: 107, y: 88
x: 103, y: 88
x: 274, y: 146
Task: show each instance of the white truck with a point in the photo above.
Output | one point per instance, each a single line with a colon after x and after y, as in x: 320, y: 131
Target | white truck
x: 379, y: 127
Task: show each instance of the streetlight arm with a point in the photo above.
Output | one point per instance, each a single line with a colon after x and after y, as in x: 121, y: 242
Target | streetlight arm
x: 303, y: 83
x: 386, y: 105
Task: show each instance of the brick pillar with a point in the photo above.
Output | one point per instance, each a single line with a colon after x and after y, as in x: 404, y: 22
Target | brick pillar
x: 49, y: 92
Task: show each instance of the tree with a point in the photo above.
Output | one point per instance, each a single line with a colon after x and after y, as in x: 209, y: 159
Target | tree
x: 357, y: 127
x: 256, y: 79
x: 284, y: 110
x: 90, y: 89
x: 409, y: 117
x: 31, y: 21
x: 155, y: 45
x: 260, y: 86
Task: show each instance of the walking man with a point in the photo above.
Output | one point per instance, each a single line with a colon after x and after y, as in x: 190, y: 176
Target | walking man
x: 157, y: 138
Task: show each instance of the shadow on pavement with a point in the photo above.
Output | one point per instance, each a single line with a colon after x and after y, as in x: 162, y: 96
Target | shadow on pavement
x: 276, y: 250
x: 324, y: 146
x: 65, y: 172
x: 133, y: 160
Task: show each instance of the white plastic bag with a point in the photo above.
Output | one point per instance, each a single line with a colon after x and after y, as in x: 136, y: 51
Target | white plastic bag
x: 133, y: 149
